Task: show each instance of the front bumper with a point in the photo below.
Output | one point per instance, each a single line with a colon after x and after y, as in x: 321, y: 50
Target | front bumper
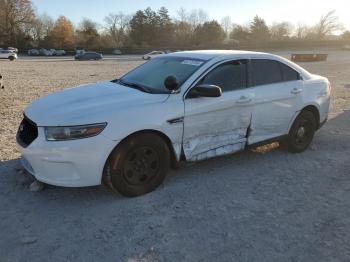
x: 73, y: 163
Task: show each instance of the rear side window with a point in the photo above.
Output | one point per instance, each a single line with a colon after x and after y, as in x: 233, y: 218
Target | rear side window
x: 265, y: 72
x: 289, y: 74
x: 229, y: 76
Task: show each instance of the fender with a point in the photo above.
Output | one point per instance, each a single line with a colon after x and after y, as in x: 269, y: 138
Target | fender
x: 298, y: 112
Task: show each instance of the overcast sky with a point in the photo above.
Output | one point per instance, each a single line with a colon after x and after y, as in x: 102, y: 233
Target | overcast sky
x: 241, y: 11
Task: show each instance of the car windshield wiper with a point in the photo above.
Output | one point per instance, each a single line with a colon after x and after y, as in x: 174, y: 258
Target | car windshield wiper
x: 134, y: 85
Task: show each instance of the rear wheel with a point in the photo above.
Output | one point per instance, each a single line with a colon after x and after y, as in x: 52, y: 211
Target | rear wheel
x: 138, y: 166
x: 301, y: 132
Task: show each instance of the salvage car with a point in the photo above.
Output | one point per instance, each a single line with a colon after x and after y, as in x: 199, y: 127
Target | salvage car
x: 184, y: 106
x: 7, y: 54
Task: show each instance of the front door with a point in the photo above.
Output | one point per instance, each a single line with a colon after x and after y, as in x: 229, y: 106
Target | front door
x: 218, y: 126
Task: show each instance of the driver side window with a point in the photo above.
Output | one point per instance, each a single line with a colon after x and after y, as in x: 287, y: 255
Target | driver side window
x: 228, y: 76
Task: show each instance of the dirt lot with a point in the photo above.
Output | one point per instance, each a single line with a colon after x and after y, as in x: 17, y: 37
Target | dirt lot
x: 271, y: 206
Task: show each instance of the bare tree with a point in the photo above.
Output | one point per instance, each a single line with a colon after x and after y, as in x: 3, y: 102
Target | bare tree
x: 327, y: 25
x: 186, y: 24
x: 117, y: 25
x: 41, y: 27
x: 197, y: 17
x: 14, y: 16
x: 240, y: 32
x: 202, y: 16
x: 301, y: 31
x: 281, y: 30
x: 226, y: 24
x: 183, y: 31
x: 182, y: 15
x: 346, y: 36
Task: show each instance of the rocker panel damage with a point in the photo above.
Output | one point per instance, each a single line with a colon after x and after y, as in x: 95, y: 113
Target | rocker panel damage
x: 218, y: 136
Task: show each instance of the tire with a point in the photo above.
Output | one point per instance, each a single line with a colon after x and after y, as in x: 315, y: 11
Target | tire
x: 11, y: 58
x: 302, y: 132
x: 138, y: 166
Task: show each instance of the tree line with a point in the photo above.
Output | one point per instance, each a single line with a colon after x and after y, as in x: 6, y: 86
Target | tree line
x: 20, y: 26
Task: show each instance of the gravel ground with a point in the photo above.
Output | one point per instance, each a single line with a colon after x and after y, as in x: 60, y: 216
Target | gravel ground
x: 253, y: 206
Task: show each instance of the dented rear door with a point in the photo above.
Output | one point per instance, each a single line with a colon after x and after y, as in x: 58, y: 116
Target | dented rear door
x: 278, y: 96
x: 218, y: 126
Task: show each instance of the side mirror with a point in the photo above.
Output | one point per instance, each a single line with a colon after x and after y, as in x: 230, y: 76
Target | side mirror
x: 205, y: 91
x: 171, y: 83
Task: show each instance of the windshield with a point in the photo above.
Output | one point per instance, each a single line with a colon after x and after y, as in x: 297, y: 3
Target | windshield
x: 152, y: 74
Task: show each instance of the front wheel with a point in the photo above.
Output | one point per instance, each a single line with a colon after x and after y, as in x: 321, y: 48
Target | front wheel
x: 301, y: 132
x: 11, y: 58
x: 138, y: 166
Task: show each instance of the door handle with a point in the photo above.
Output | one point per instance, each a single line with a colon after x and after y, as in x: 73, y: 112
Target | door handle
x: 296, y: 91
x: 244, y: 100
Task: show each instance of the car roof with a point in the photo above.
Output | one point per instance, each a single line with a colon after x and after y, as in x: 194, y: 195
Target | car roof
x: 241, y: 54
x: 210, y: 54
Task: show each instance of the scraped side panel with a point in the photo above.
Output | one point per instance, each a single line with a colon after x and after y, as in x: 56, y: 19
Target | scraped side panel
x: 214, y: 133
x: 215, y: 152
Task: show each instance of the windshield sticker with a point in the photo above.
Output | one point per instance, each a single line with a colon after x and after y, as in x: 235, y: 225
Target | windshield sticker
x: 192, y: 62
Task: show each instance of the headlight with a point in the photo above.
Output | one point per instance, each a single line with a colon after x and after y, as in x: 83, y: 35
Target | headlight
x: 73, y: 132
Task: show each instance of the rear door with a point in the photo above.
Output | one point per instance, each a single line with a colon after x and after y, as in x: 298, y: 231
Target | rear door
x: 278, y: 90
x: 218, y: 126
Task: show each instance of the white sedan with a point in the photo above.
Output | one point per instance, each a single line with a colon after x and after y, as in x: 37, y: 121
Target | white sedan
x: 8, y: 54
x: 152, y: 54
x: 185, y: 106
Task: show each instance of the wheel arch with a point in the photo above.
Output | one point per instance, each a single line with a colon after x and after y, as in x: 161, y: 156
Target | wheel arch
x: 313, y: 109
x: 164, y: 137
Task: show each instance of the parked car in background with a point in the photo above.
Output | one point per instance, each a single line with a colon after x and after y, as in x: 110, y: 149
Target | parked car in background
x: 33, y: 52
x: 191, y: 106
x: 79, y: 51
x: 60, y: 52
x: 346, y: 47
x: 13, y: 49
x: 7, y: 54
x: 152, y: 55
x: 89, y: 56
x: 116, y: 52
x: 45, y: 52
x: 52, y: 52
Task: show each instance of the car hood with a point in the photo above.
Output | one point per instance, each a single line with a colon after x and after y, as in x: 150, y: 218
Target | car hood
x: 86, y: 104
